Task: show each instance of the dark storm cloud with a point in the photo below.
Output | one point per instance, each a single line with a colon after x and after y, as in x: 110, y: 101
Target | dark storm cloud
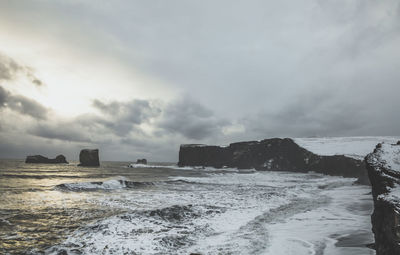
x: 190, y: 119
x: 22, y: 104
x: 10, y: 69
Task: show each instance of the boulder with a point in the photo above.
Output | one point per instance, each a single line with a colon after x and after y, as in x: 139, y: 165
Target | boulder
x: 88, y: 157
x: 271, y: 154
x: 383, y: 167
x: 141, y: 161
x: 39, y: 159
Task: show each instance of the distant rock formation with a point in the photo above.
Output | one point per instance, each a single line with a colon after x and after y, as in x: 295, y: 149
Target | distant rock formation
x: 88, y: 157
x: 39, y: 159
x: 271, y: 154
x: 142, y: 161
x: 383, y: 167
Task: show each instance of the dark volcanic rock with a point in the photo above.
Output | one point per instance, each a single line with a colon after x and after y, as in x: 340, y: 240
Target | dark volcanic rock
x: 141, y: 161
x: 89, y: 157
x: 383, y: 167
x: 43, y: 160
x: 271, y: 154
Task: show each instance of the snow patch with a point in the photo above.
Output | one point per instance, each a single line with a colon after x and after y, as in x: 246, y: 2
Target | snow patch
x: 355, y: 147
x: 390, y: 156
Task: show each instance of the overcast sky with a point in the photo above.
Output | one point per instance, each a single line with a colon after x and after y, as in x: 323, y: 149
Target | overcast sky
x: 137, y: 78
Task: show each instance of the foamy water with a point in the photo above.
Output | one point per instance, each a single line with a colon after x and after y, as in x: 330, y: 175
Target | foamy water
x: 230, y: 213
x: 162, y: 209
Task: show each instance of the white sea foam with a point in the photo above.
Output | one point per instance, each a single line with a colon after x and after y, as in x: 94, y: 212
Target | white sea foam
x: 317, y: 231
x: 227, y: 213
x: 113, y: 184
x: 193, y: 168
x: 106, y: 185
x: 134, y: 165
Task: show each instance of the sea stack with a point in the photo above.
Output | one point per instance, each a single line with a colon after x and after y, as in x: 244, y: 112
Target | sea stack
x: 39, y: 159
x: 271, y: 154
x: 142, y: 161
x: 89, y: 157
x: 383, y: 167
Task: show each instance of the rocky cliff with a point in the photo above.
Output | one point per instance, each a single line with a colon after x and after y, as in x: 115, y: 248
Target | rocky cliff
x: 271, y: 154
x: 89, y: 157
x: 383, y: 167
x: 39, y: 159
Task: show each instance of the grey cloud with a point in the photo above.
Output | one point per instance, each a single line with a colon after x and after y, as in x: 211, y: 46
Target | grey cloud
x: 3, y: 96
x: 320, y: 112
x: 37, y: 82
x: 277, y: 68
x: 10, y: 146
x: 259, y: 54
x: 66, y: 131
x: 87, y: 127
x: 22, y: 104
x: 83, y: 128
x: 182, y: 119
x: 190, y: 119
x: 118, y: 118
x: 10, y: 69
x: 123, y: 117
x: 109, y: 108
x: 366, y: 27
x: 27, y: 106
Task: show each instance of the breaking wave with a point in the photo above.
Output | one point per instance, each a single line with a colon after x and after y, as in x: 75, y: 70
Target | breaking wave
x: 159, y: 166
x: 195, y: 168
x: 217, y: 213
x: 102, y: 185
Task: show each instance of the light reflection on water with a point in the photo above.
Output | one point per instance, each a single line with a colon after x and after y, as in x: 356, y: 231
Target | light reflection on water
x: 114, y: 210
x: 35, y: 215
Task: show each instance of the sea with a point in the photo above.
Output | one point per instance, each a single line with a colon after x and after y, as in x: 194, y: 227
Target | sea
x: 160, y: 208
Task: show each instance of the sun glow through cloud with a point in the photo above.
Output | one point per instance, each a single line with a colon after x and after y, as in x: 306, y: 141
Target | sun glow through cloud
x: 74, y: 77
x: 188, y: 73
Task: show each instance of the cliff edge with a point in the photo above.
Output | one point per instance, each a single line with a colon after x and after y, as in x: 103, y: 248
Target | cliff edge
x: 383, y: 167
x: 271, y: 154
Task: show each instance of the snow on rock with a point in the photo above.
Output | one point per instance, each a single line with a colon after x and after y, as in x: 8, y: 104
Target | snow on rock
x: 356, y: 147
x: 383, y: 167
x: 275, y: 154
x: 390, y: 157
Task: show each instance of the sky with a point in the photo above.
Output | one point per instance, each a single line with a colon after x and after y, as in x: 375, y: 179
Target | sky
x: 138, y: 78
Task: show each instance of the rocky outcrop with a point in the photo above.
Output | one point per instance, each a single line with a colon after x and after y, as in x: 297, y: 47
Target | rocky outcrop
x: 271, y: 154
x: 89, y: 157
x: 142, y: 161
x: 39, y: 159
x: 383, y: 167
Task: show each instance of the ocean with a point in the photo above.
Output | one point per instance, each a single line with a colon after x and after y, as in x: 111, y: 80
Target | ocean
x: 163, y: 209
